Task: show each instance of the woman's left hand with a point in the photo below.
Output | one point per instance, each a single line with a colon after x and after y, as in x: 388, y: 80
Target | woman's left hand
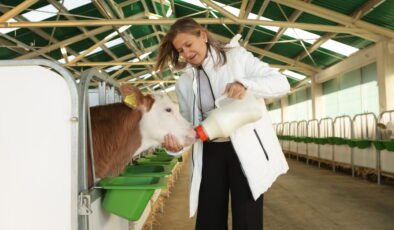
x: 235, y: 90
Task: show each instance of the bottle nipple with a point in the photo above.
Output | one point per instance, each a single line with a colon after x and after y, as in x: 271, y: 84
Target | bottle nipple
x: 200, y: 133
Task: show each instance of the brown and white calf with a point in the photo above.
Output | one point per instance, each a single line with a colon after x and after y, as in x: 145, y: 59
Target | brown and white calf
x: 123, y: 130
x: 386, y: 131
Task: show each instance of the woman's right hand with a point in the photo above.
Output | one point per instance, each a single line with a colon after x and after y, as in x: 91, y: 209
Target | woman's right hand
x: 171, y: 143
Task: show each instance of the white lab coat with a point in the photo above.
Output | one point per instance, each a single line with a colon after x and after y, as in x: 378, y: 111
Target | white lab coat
x: 254, y: 142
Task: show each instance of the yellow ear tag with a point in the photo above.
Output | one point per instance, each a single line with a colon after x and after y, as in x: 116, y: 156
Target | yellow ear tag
x: 131, y: 100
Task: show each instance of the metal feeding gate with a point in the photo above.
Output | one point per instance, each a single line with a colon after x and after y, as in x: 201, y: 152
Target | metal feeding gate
x: 313, y: 133
x: 302, y: 134
x: 326, y: 129
x: 43, y: 136
x: 364, y: 130
x: 343, y: 129
x: 286, y: 132
x: 386, y: 156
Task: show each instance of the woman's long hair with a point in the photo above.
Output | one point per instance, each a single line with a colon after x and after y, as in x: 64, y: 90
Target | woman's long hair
x: 168, y: 53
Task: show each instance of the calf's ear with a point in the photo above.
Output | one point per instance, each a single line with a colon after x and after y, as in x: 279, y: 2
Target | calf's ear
x: 132, y: 96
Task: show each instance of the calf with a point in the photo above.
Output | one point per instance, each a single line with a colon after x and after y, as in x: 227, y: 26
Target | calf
x: 386, y: 131
x: 123, y: 130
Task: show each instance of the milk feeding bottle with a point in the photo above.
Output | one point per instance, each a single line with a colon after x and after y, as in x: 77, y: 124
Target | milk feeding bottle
x: 229, y: 115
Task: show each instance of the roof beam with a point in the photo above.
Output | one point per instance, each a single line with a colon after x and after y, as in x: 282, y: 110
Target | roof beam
x: 12, y: 46
x: 221, y: 10
x: 157, y: 33
x: 242, y: 8
x: 156, y: 14
x: 337, y: 17
x: 162, y: 9
x: 162, y: 21
x: 149, y: 81
x: 302, y: 67
x: 134, y: 47
x: 296, y: 68
x: 106, y: 10
x: 128, y: 38
x: 61, y: 8
x: 111, y: 63
x: 127, y: 3
x: 293, y: 17
x: 72, y: 40
x: 38, y: 31
x: 125, y: 79
x: 152, y: 62
x: 360, y: 12
x: 315, y: 45
x: 90, y: 49
x: 364, y: 33
x: 259, y: 14
x: 126, y: 66
x: 33, y: 50
x: 16, y: 10
x: 369, y: 6
x: 66, y: 42
x: 173, y: 7
x: 245, y: 14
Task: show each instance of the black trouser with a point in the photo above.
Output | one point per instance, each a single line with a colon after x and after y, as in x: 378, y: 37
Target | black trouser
x: 222, y: 172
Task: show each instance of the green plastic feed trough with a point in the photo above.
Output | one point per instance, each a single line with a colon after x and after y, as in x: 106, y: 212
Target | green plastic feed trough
x: 170, y: 162
x: 389, y: 145
x: 146, y: 170
x: 161, y: 152
x: 128, y: 197
x: 158, y: 157
x: 379, y: 145
x: 161, y: 156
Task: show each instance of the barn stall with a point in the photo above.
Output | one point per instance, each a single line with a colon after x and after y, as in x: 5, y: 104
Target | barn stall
x: 44, y: 137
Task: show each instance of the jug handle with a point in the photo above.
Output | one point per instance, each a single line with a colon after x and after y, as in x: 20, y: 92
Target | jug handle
x: 221, y: 98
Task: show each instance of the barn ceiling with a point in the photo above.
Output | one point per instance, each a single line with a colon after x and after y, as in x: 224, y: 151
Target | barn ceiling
x: 121, y: 37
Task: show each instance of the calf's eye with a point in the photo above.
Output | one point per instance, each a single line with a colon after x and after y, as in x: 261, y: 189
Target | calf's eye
x: 168, y: 110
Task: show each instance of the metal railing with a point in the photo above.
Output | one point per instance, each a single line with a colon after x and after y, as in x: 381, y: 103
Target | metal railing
x: 331, y: 132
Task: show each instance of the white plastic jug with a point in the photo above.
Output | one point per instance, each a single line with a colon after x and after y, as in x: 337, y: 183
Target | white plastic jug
x: 229, y: 115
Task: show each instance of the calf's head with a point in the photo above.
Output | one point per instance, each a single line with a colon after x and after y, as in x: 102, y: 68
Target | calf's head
x: 386, y: 131
x: 160, y: 116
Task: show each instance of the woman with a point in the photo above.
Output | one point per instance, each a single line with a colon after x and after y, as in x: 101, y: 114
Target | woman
x: 247, y: 163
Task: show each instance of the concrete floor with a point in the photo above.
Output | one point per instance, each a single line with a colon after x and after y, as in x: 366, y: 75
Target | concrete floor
x: 305, y: 198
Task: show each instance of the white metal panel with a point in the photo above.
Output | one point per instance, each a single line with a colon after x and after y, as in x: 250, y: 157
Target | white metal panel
x: 139, y: 224
x: 365, y: 157
x: 93, y: 97
x: 342, y: 154
x: 387, y: 161
x: 313, y: 150
x: 102, y: 220
x: 326, y: 152
x: 35, y: 150
x: 301, y: 148
x: 286, y: 145
x: 293, y: 146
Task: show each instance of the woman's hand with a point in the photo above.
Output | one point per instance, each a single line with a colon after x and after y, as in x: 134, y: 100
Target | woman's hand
x: 235, y: 90
x: 171, y: 143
